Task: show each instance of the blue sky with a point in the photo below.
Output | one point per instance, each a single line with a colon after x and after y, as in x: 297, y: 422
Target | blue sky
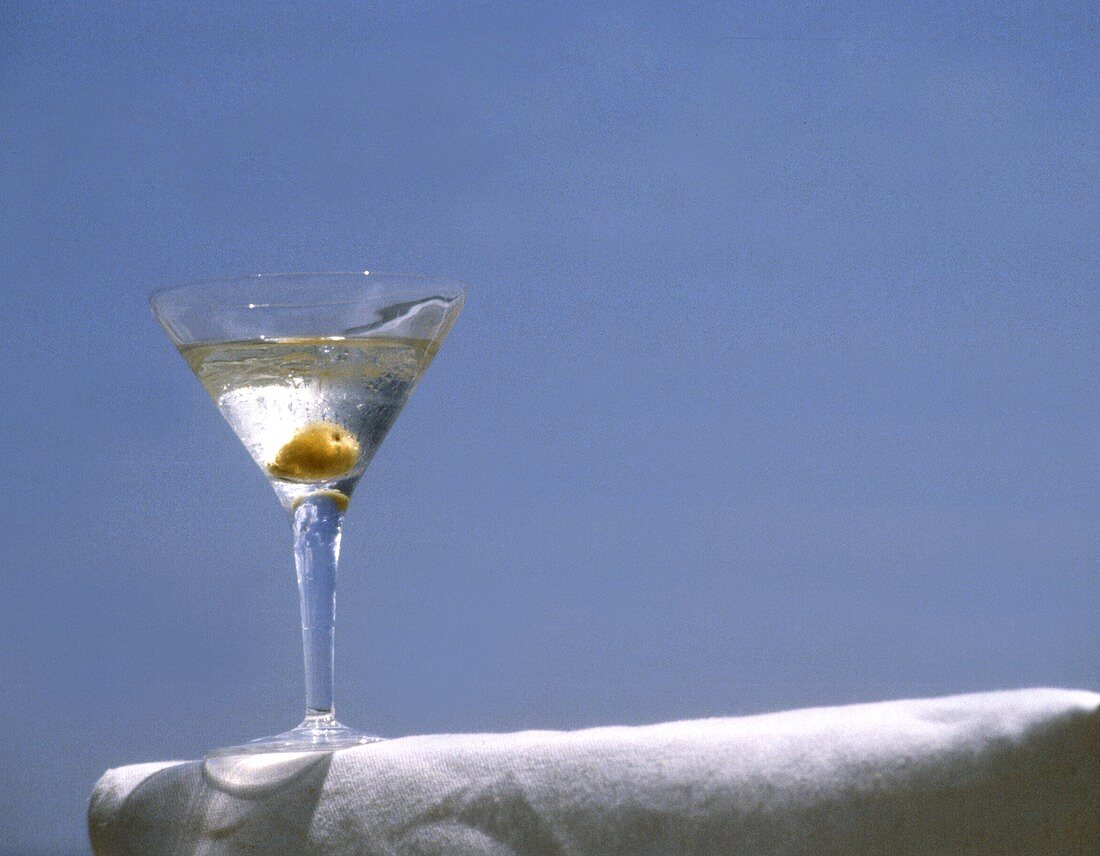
x: 775, y: 387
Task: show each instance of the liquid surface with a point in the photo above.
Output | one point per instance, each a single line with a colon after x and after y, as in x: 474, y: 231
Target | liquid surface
x: 311, y: 412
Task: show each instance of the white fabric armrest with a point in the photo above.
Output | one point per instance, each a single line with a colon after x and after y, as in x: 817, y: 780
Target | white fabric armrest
x: 997, y: 773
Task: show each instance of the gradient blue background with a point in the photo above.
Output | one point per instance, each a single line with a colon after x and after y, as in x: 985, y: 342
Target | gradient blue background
x: 776, y: 385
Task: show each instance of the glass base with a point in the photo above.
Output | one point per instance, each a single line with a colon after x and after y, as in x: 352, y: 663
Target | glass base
x: 320, y: 733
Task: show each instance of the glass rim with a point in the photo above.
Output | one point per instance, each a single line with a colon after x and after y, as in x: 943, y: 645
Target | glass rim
x: 457, y: 287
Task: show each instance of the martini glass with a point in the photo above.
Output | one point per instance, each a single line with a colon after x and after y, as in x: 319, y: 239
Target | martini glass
x: 310, y: 371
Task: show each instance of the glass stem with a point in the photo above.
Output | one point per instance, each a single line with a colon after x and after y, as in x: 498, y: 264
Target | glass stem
x: 316, y: 521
